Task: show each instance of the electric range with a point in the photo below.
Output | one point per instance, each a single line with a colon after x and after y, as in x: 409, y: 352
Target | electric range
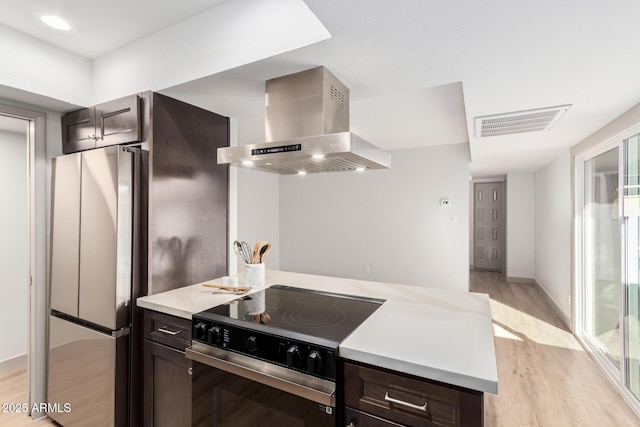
x: 295, y: 328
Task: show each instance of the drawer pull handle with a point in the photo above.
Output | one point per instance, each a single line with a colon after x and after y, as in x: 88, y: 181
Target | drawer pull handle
x: 164, y: 330
x: 407, y: 404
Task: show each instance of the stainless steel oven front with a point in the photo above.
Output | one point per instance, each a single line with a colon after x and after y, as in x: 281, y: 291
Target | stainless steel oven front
x: 231, y: 389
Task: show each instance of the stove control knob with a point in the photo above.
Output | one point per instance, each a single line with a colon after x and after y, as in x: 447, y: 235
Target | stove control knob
x: 251, y: 343
x: 213, y: 335
x: 199, y: 331
x: 293, y: 356
x: 314, y: 362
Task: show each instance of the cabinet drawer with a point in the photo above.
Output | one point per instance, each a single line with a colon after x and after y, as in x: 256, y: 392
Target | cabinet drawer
x: 409, y: 400
x: 171, y: 331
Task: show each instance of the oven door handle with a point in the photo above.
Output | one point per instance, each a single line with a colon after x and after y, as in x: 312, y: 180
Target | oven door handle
x: 299, y: 384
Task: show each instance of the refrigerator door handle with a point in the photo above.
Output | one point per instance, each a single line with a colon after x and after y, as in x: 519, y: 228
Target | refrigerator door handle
x: 121, y: 332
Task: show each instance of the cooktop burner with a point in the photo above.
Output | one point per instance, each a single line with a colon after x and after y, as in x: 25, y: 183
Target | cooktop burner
x: 299, y: 329
x: 285, y: 310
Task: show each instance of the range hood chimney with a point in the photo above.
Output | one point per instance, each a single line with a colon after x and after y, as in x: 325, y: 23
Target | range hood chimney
x: 307, y: 130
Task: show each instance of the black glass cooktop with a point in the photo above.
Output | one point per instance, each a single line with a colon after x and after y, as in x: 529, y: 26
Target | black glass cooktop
x: 291, y: 312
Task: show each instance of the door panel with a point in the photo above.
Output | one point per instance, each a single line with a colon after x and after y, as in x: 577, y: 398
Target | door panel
x: 82, y: 374
x: 103, y: 287
x: 602, y: 252
x: 632, y: 263
x: 78, y: 131
x: 489, y: 226
x: 65, y: 234
x: 118, y: 121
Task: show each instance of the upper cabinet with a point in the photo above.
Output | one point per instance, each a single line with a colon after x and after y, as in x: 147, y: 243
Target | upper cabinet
x: 111, y: 123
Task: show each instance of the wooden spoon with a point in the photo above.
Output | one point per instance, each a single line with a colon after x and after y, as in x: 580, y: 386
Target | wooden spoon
x: 256, y: 254
x: 264, y: 251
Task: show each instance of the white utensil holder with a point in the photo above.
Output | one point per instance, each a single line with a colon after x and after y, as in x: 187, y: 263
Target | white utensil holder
x: 254, y: 276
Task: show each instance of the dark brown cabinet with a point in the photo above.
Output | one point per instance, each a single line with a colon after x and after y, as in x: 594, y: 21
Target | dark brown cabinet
x: 110, y: 123
x: 167, y: 372
x: 375, y: 397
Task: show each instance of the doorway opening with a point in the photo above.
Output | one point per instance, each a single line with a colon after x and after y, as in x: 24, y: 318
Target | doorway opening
x: 29, y: 195
x: 14, y: 254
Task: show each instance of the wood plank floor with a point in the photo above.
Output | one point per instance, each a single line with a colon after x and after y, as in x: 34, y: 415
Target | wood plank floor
x: 545, y: 378
x: 13, y: 390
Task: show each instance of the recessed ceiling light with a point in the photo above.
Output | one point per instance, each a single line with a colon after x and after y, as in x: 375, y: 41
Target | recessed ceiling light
x: 56, y: 22
x: 359, y: 169
x: 302, y: 173
x: 317, y: 157
x: 247, y: 163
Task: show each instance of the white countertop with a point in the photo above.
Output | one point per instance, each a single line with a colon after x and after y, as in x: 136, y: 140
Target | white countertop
x: 428, y: 332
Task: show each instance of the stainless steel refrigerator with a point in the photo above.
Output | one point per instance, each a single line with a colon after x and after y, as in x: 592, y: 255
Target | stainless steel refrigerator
x: 92, y: 285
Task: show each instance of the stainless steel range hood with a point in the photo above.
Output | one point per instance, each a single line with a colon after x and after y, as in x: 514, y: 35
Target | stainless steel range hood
x: 307, y: 130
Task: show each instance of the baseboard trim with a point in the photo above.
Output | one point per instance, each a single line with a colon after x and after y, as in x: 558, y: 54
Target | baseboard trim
x: 14, y: 363
x: 521, y: 280
x: 566, y: 320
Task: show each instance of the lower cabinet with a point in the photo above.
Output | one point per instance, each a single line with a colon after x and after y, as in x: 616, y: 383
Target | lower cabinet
x: 167, y: 372
x: 375, y: 397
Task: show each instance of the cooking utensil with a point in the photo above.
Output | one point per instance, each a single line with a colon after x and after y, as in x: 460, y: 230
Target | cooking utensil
x: 255, y: 259
x: 246, y: 252
x: 264, y: 251
x: 243, y: 250
x: 237, y: 249
x: 227, y: 288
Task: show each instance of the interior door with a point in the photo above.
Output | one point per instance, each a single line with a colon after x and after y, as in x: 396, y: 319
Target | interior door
x: 489, y: 226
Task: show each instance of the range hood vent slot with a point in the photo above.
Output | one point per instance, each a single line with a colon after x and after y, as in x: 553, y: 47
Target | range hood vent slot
x: 519, y: 121
x: 337, y: 96
x: 307, y: 130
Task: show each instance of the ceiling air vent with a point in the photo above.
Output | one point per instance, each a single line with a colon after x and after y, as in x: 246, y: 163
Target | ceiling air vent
x: 519, y: 121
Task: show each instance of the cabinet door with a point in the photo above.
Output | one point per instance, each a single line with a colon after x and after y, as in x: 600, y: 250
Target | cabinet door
x: 167, y: 386
x: 118, y: 121
x: 78, y: 131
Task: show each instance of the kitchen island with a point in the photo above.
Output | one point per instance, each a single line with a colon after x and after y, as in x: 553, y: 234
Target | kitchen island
x: 428, y: 333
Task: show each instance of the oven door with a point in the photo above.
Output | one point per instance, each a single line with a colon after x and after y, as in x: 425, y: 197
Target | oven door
x: 230, y: 389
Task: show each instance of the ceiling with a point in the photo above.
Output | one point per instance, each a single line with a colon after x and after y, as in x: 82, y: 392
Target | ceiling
x: 419, y: 71
x: 98, y: 27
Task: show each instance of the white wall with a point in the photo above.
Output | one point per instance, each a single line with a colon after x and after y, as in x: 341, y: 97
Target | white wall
x: 258, y: 212
x: 14, y: 252
x: 335, y: 224
x: 258, y: 199
x: 521, y: 233
x: 35, y: 66
x: 553, y: 231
